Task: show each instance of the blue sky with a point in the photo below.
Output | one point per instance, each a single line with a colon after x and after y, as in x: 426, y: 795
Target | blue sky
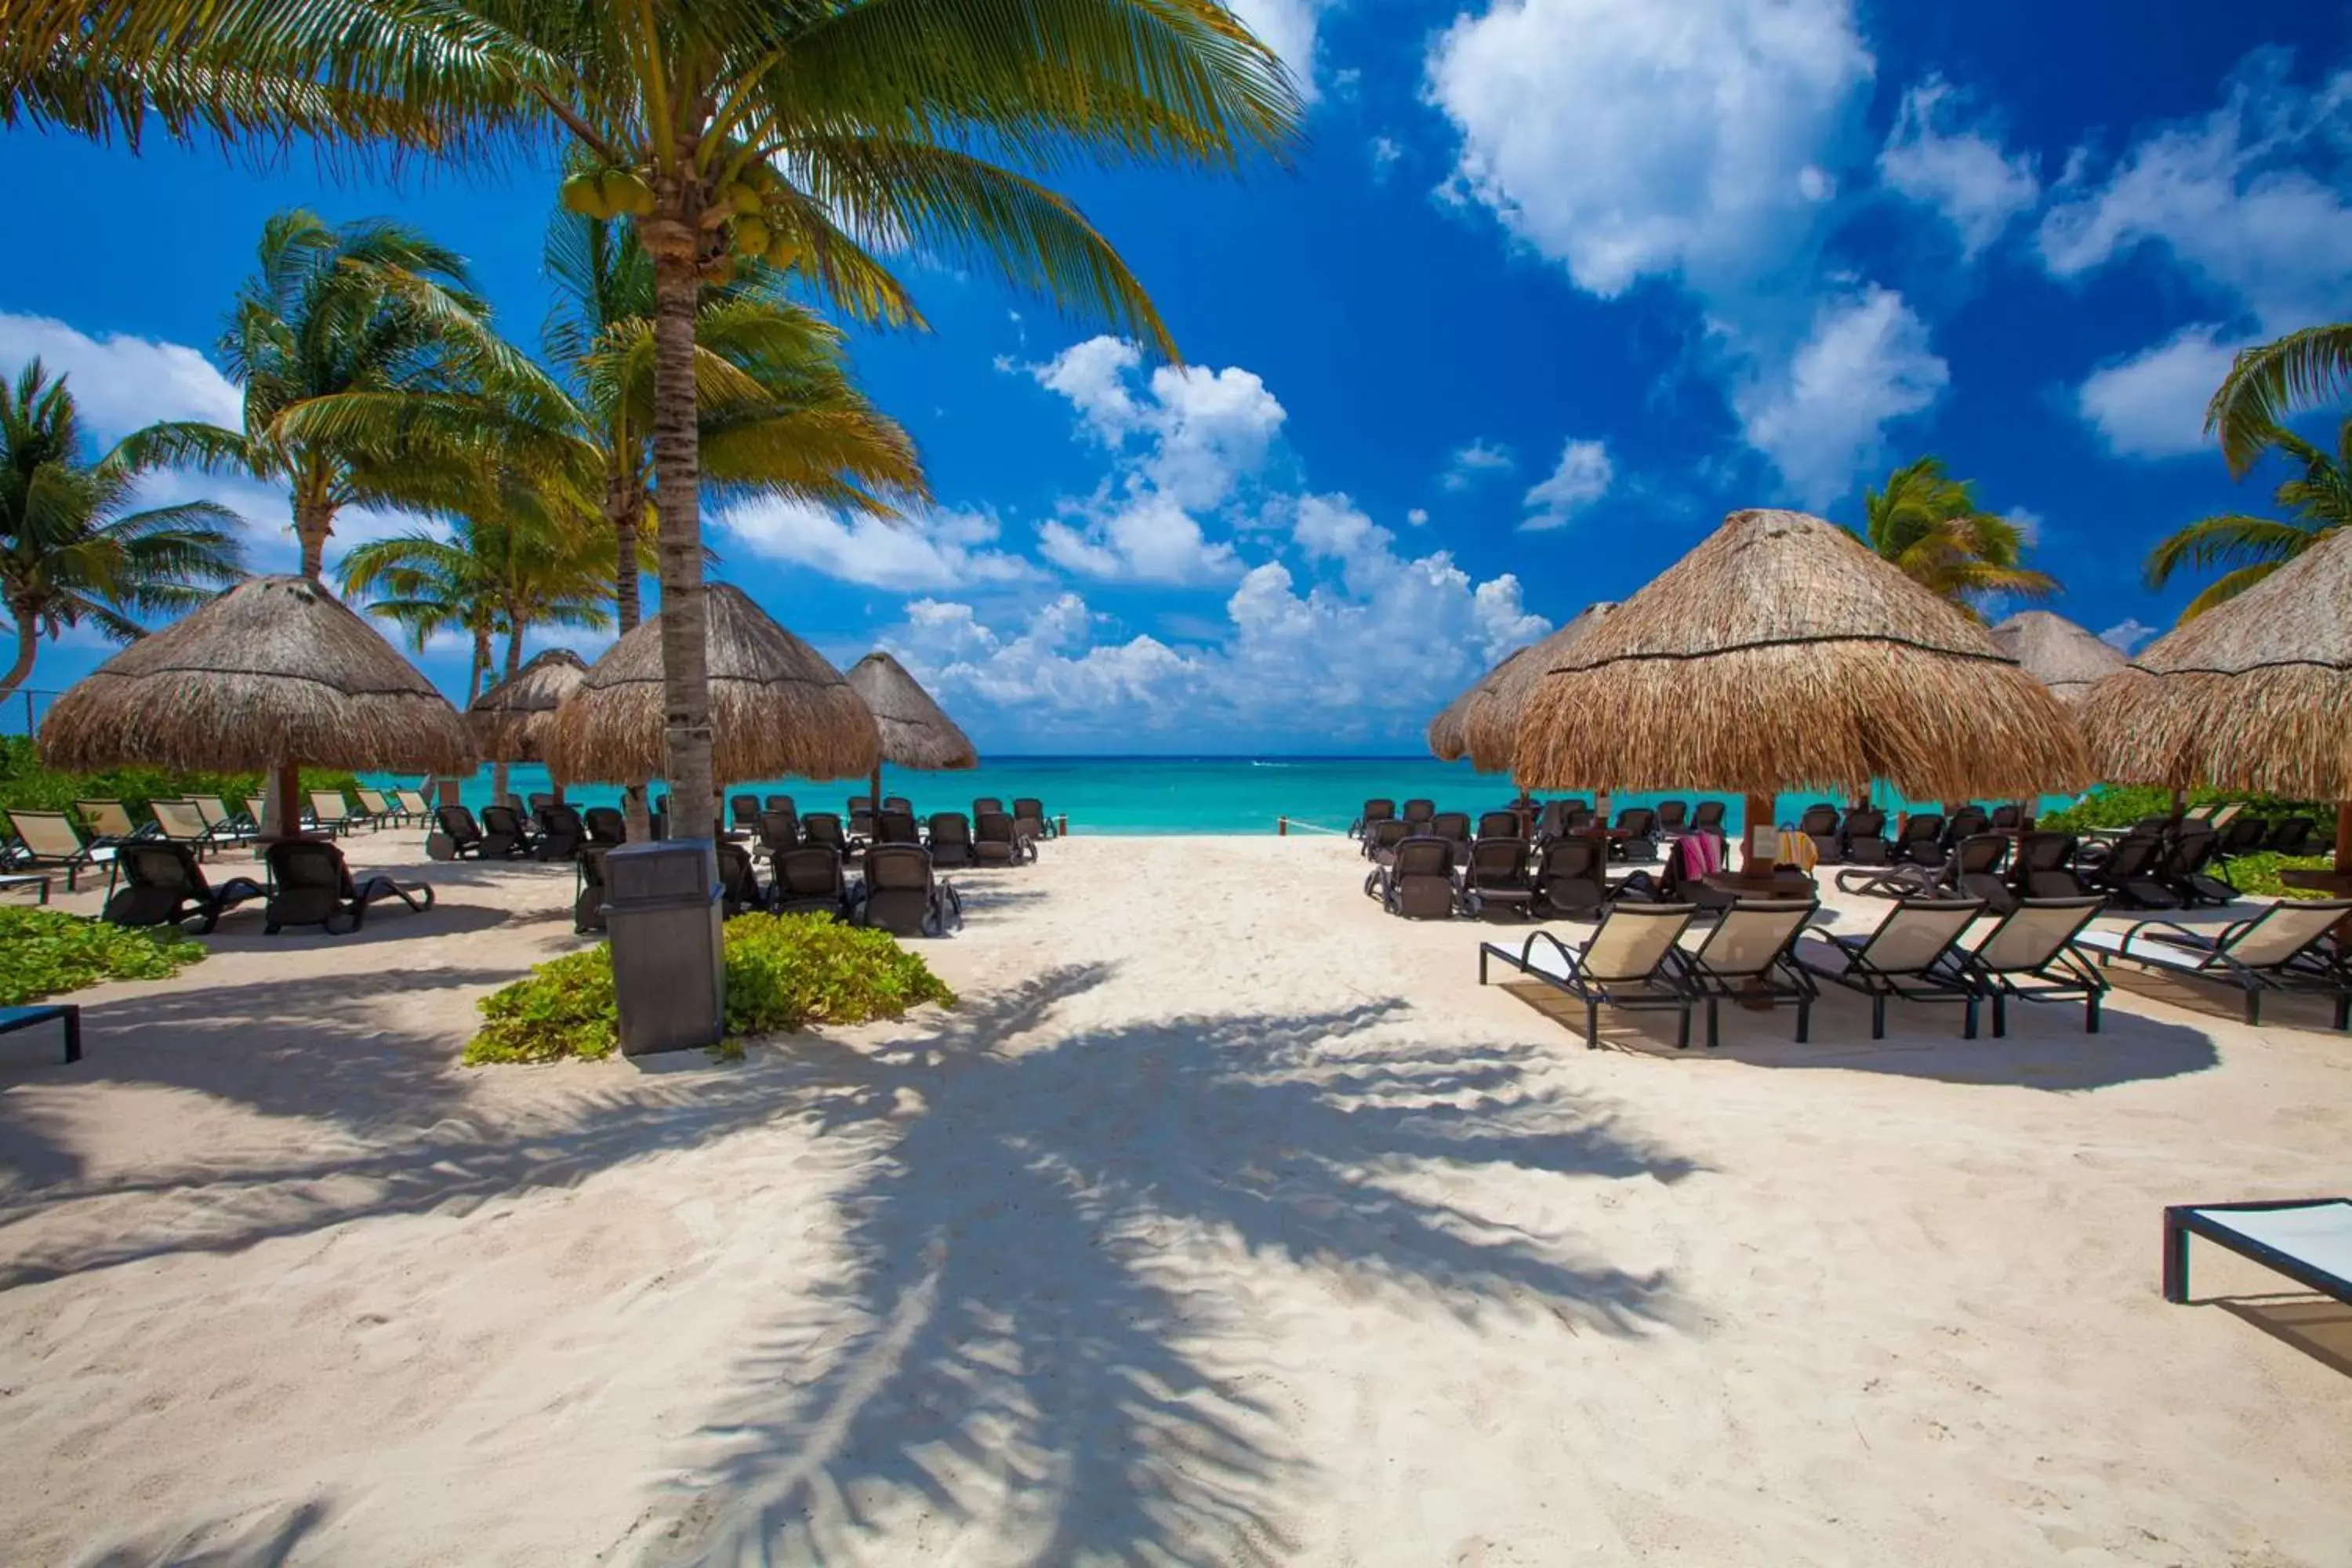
x: 1554, y: 285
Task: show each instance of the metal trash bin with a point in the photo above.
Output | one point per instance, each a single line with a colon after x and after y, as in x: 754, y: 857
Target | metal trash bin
x: 670, y: 974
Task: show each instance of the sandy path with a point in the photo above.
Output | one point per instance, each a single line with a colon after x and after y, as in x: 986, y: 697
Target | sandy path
x: 1227, y: 1220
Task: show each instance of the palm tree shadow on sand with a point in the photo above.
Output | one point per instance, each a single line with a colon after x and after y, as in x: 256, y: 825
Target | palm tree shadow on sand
x: 1032, y: 1326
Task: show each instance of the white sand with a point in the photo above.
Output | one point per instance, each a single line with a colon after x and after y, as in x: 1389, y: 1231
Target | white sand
x: 1227, y: 1220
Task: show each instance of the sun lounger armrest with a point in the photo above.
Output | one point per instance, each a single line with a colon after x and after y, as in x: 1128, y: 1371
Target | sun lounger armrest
x: 1567, y: 954
x: 2196, y: 939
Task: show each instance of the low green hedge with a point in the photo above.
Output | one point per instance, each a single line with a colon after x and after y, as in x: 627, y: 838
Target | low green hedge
x: 46, y: 952
x: 2120, y: 806
x: 784, y: 973
x: 2258, y: 874
x: 27, y: 785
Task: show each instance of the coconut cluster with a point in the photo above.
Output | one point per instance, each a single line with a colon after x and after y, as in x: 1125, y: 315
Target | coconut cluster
x: 608, y: 194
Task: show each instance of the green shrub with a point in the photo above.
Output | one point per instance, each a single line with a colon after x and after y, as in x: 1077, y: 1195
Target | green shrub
x: 2120, y: 806
x: 784, y: 973
x: 44, y: 951
x: 27, y: 785
x: 2260, y: 873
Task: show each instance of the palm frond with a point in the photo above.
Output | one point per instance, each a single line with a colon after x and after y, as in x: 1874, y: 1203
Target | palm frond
x: 2269, y: 383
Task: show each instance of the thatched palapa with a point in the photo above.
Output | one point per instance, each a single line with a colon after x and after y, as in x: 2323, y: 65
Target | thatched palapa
x: 514, y: 721
x: 1490, y: 729
x: 916, y: 732
x: 777, y: 707
x: 1449, y: 735
x: 1782, y: 654
x: 276, y: 671
x: 2056, y: 652
x: 2254, y: 694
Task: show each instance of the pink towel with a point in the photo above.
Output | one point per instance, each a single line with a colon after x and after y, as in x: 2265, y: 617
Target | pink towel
x: 1697, y: 855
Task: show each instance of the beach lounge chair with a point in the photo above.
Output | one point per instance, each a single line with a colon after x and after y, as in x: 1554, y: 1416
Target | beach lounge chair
x: 1629, y: 963
x: 1674, y: 816
x: 67, y: 1016
x: 456, y: 836
x: 1964, y: 825
x: 179, y: 822
x: 1454, y: 826
x: 2283, y: 947
x: 109, y: 822
x: 539, y: 799
x: 588, y: 888
x: 1380, y: 844
x: 606, y: 825
x: 1707, y: 816
x: 743, y: 812
x: 1694, y: 858
x: 382, y: 810
x: 2245, y: 836
x: 780, y: 803
x: 950, y: 846
x: 1497, y: 876
x: 1571, y: 877
x: 2292, y: 836
x: 1417, y: 813
x: 2309, y: 1240
x: 2007, y: 817
x: 2131, y: 875
x: 2043, y: 868
x: 163, y: 884
x: 902, y: 895
x: 1746, y: 959
x: 560, y: 832
x: 1420, y: 883
x: 1636, y: 835
x: 861, y: 817
x: 1976, y: 871
x: 779, y: 831
x: 1909, y: 956
x: 48, y: 840
x: 896, y: 828
x: 809, y: 881
x: 996, y: 842
x: 1820, y: 824
x: 899, y: 804
x: 2192, y: 865
x: 2031, y: 955
x: 256, y: 810
x: 739, y: 881
x: 413, y: 803
x: 1501, y: 825
x: 984, y: 806
x: 331, y: 813
x: 310, y: 884
x: 504, y: 833
x: 225, y: 826
x: 1374, y: 811
x: 1030, y: 820
x: 1862, y: 838
x: 1920, y: 839
x: 823, y: 829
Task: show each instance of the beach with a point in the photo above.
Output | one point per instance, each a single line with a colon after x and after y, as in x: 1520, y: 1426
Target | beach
x: 1224, y: 1219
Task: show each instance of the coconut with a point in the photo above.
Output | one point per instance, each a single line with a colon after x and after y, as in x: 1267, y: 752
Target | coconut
x: 626, y: 191
x: 783, y: 254
x: 745, y: 199
x: 750, y: 237
x: 583, y: 193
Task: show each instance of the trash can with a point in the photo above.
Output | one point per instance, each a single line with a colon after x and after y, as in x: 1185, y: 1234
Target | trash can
x: 670, y: 975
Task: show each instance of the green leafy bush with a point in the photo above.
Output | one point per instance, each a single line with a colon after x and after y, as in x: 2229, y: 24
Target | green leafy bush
x: 784, y: 973
x: 46, y: 952
x: 2258, y: 874
x: 2120, y: 806
x: 27, y: 785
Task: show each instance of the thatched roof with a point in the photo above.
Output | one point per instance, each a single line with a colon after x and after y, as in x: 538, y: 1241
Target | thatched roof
x: 1490, y: 730
x: 2057, y: 653
x: 1449, y: 734
x: 514, y: 721
x: 777, y: 707
x: 1782, y: 654
x: 2254, y: 694
x: 916, y: 732
x: 275, y: 671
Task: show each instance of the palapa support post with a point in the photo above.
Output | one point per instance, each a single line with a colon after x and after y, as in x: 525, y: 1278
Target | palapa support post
x: 285, y: 799
x: 1754, y: 812
x: 1282, y: 828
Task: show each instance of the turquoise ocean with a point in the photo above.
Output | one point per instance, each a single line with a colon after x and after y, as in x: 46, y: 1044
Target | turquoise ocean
x: 1169, y: 795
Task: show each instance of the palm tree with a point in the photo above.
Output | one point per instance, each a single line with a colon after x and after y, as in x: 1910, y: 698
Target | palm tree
x: 70, y: 549
x: 1929, y: 525
x: 2270, y: 382
x: 809, y: 134
x: 779, y: 412
x: 509, y: 565
x: 371, y: 376
x: 2317, y: 502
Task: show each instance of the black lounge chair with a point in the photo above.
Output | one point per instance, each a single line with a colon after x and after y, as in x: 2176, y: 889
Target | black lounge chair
x: 310, y: 884
x: 2190, y: 868
x: 809, y: 881
x: 2286, y: 947
x: 986, y: 806
x: 1501, y: 825
x: 2043, y: 868
x: 1976, y: 871
x: 779, y: 830
x: 902, y: 895
x: 1909, y: 956
x: 2009, y: 817
x: 1630, y: 963
x: 1571, y: 877
x: 1417, y: 813
x: 1747, y: 959
x: 588, y: 886
x: 1707, y: 816
x: 1820, y: 824
x: 2309, y: 1240
x: 456, y: 835
x: 1380, y: 842
x: 739, y: 881
x: 896, y: 828
x: 2292, y: 836
x: 823, y: 828
x: 2132, y: 874
x: 163, y: 884
x: 1419, y: 883
x: 1964, y: 825
x: 2244, y: 836
x: 1674, y: 816
x: 1920, y: 839
x: 743, y: 812
x: 995, y: 841
x: 860, y: 823
x: 1636, y: 837
x: 505, y: 834
x: 2032, y: 956
x: 1454, y: 826
x: 1497, y: 876
x: 608, y: 826
x: 539, y: 799
x: 48, y: 840
x: 1029, y: 819
x: 1862, y: 838
x: 780, y: 803
x: 1374, y: 811
x: 951, y: 846
x: 560, y: 832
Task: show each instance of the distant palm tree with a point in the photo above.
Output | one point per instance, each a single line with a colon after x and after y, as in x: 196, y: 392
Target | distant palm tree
x: 371, y: 376
x: 1929, y: 525
x: 70, y: 551
x: 2317, y: 502
x: 2269, y: 382
x: 779, y: 412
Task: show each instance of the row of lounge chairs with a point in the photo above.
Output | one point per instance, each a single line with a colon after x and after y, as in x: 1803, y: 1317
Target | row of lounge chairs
x: 864, y: 822
x: 2182, y: 868
x: 162, y: 882
x: 899, y: 889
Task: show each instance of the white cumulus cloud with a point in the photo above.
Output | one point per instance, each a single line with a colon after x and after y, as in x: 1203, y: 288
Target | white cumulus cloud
x: 1584, y: 477
x: 2125, y: 637
x: 2152, y: 403
x: 1865, y: 364
x: 1479, y: 459
x: 1958, y: 170
x: 943, y: 549
x: 119, y: 382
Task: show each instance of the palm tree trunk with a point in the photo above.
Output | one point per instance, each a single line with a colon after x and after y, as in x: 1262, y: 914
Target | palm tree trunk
x: 313, y: 520
x: 686, y: 675
x: 624, y: 503
x: 28, y: 645
x: 514, y: 664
